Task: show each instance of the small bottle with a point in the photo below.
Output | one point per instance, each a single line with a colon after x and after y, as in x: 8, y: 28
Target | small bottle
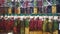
x: 18, y: 25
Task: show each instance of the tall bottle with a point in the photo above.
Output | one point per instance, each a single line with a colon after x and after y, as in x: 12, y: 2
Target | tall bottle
x: 39, y: 25
x: 35, y: 7
x: 25, y: 6
x: 55, y: 26
x: 27, y: 25
x: 58, y: 5
x: 39, y: 5
x: 18, y: 4
x: 50, y: 25
x: 15, y: 25
x: 31, y: 26
x: 35, y: 3
x: 18, y: 25
x: 17, y: 8
x: 13, y: 7
x: 22, y: 29
x: 59, y: 25
x: 30, y: 7
x: 57, y: 2
x: 45, y: 25
x: 9, y: 3
x: 22, y: 8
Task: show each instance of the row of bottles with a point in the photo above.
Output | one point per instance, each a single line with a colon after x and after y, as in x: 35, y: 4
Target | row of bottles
x: 29, y: 7
x: 30, y: 10
x: 30, y: 24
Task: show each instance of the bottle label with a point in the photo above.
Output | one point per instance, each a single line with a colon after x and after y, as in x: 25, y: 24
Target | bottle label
x: 26, y: 30
x: 18, y: 10
x: 9, y: 11
x: 35, y: 10
x: 53, y: 9
x: 27, y: 23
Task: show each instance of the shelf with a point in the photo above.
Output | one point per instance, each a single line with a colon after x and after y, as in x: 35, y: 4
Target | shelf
x: 48, y: 14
